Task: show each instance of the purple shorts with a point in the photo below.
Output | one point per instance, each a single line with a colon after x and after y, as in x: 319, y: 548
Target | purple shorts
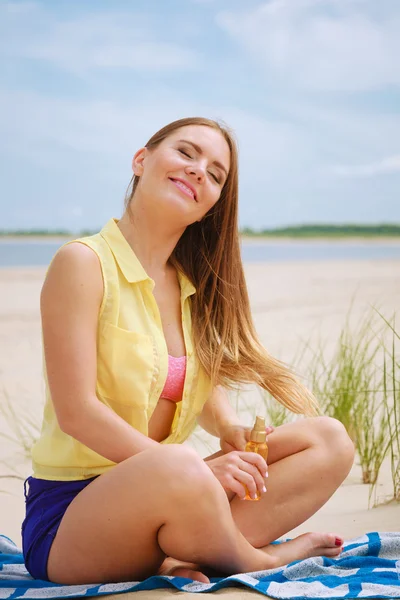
x: 45, y: 503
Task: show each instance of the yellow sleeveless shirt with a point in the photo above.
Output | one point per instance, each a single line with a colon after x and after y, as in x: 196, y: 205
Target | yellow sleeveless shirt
x: 132, y: 363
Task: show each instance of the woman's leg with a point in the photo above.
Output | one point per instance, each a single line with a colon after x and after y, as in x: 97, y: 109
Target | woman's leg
x: 162, y: 502
x: 307, y: 462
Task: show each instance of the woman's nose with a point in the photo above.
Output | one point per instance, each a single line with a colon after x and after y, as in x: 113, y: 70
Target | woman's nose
x: 197, y: 171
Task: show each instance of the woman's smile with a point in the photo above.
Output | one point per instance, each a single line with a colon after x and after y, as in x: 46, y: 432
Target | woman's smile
x: 184, y: 189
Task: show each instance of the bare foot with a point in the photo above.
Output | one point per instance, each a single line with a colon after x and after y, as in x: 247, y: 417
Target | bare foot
x: 305, y: 546
x: 178, y: 568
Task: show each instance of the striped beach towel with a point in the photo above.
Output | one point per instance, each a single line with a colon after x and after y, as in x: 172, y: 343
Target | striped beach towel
x: 366, y: 569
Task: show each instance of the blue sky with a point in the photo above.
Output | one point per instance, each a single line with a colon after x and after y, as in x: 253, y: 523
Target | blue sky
x: 311, y: 88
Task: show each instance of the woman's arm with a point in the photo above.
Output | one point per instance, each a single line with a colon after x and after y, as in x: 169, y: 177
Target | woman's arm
x: 217, y: 413
x: 220, y: 419
x: 70, y: 302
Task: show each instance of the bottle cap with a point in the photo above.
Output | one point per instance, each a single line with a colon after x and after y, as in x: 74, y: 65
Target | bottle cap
x: 258, y: 433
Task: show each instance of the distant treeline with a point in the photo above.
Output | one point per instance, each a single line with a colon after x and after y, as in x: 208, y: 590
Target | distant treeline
x: 306, y: 231
x: 321, y: 230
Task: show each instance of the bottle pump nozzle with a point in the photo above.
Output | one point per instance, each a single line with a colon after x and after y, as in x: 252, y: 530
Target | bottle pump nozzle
x: 258, y: 433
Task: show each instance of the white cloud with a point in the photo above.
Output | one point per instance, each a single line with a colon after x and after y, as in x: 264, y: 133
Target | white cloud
x: 385, y: 166
x: 118, y: 40
x: 343, y: 134
x: 322, y: 44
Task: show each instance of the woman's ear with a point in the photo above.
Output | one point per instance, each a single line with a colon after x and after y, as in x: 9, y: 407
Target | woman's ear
x: 137, y: 161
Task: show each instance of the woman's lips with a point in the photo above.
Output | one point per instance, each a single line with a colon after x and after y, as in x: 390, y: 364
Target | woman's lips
x: 182, y: 189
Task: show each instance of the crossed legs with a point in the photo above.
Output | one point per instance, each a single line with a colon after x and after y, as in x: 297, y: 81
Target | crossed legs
x: 166, y: 502
x: 307, y: 462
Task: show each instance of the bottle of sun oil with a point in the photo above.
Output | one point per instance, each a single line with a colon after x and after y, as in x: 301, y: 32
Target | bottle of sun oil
x: 257, y: 443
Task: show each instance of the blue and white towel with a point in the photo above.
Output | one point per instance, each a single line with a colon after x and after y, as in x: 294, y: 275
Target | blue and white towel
x: 366, y: 569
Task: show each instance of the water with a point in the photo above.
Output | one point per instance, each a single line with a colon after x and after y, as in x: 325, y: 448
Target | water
x: 39, y: 253
x: 27, y: 254
x: 308, y: 250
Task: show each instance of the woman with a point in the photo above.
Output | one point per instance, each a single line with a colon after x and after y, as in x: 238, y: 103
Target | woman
x: 145, y: 326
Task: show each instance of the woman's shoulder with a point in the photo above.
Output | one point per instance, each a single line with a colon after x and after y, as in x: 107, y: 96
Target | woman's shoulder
x: 77, y: 256
x: 73, y: 265
x: 86, y: 265
x: 73, y: 283
x: 86, y: 246
x: 83, y: 253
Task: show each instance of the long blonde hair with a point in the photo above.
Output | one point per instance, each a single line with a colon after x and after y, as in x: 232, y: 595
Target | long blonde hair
x: 208, y: 253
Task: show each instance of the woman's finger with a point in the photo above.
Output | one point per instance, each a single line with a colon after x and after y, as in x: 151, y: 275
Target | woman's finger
x: 245, y: 480
x: 259, y: 480
x: 255, y: 459
x: 237, y: 487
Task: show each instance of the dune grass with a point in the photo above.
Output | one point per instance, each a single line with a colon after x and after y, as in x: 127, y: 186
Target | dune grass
x: 349, y: 390
x: 391, y: 370
x: 22, y: 429
x: 360, y: 386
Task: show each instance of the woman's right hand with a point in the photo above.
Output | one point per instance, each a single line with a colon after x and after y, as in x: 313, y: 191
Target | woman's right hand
x: 237, y: 469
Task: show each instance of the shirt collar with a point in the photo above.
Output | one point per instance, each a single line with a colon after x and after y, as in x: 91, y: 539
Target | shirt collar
x: 129, y: 263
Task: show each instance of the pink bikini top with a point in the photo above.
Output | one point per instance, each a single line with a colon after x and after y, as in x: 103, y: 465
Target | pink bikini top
x: 173, y: 388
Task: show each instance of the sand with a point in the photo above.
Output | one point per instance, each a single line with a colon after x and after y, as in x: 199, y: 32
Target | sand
x: 291, y: 303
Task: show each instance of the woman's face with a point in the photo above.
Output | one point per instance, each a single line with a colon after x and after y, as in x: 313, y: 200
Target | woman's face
x: 185, y: 173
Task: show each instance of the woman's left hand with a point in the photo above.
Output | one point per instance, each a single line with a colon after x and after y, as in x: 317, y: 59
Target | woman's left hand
x: 235, y: 437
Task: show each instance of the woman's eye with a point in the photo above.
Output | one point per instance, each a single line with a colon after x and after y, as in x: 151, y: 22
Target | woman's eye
x: 188, y: 155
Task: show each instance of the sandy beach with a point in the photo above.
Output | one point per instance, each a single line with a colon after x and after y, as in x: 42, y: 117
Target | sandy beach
x: 292, y: 303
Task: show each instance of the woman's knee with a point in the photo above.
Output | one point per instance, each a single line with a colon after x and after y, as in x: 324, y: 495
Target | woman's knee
x: 179, y: 466
x: 335, y: 439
